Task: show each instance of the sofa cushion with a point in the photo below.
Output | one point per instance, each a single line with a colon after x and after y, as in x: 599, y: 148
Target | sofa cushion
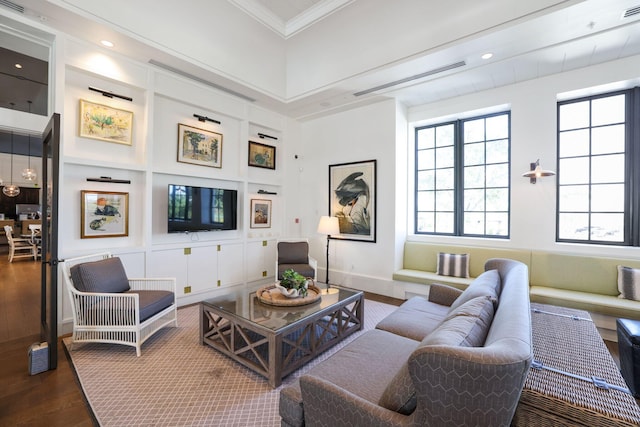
x: 415, y: 318
x: 153, y: 302
x: 456, y: 265
x: 466, y: 326
x: 486, y: 284
x: 364, y: 366
x: 106, y: 275
x: 629, y: 282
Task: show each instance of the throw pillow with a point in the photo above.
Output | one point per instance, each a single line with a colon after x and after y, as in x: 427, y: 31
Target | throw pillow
x: 629, y: 282
x: 106, y: 275
x: 486, y: 284
x: 466, y: 326
x: 455, y: 265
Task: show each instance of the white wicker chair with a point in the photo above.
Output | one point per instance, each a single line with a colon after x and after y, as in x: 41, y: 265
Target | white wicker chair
x: 115, y: 317
x: 20, y: 247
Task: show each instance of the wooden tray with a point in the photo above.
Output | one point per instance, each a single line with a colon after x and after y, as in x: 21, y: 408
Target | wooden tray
x: 272, y: 296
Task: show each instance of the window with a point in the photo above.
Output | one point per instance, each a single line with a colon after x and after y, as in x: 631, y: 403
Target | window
x: 462, y: 177
x: 595, y: 153
x: 217, y: 206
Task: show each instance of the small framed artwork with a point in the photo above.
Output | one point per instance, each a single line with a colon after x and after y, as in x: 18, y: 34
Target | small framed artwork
x: 98, y: 121
x: 262, y: 155
x: 260, y: 213
x: 104, y: 214
x: 352, y: 198
x: 199, y: 146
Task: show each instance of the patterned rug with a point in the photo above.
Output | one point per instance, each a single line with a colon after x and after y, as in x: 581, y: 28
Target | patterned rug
x: 178, y: 382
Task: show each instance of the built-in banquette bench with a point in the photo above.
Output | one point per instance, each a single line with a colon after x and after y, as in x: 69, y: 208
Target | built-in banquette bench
x: 577, y: 281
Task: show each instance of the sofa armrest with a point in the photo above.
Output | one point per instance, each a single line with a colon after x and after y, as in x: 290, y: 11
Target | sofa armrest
x: 493, y: 380
x: 326, y: 404
x: 443, y: 294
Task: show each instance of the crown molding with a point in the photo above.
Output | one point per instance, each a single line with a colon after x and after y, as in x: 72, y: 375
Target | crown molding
x: 286, y: 29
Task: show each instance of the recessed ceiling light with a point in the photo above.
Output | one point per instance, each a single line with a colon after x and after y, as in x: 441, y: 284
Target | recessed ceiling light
x: 18, y: 66
x: 106, y: 43
x: 487, y: 56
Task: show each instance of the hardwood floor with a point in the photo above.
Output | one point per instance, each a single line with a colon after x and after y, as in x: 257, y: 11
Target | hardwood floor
x: 52, y: 398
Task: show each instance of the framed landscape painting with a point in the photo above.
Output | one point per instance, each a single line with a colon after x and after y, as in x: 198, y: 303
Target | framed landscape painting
x: 104, y: 214
x: 98, y: 121
x: 260, y: 213
x: 352, y: 199
x: 199, y: 146
x: 262, y: 155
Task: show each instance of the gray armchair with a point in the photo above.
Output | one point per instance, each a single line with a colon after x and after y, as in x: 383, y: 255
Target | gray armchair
x: 294, y: 254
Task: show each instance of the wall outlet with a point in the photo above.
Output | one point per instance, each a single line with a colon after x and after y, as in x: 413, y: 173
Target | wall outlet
x: 219, y: 283
x: 187, y: 251
x: 264, y: 274
x: 187, y: 289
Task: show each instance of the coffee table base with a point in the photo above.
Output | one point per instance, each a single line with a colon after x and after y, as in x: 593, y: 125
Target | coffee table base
x: 275, y: 354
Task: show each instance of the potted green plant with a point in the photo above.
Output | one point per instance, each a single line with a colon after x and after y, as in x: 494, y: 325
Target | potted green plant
x: 293, y: 284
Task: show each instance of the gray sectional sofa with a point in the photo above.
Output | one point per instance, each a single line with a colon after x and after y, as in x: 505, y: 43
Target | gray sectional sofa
x: 455, y: 358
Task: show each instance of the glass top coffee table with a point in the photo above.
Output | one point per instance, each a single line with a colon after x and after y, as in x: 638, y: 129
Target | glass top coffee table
x: 275, y: 341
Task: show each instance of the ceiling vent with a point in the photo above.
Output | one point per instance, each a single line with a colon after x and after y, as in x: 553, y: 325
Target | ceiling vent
x: 11, y: 5
x: 198, y: 79
x: 631, y: 12
x: 411, y: 78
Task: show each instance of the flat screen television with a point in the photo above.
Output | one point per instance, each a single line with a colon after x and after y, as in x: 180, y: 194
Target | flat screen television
x: 194, y: 209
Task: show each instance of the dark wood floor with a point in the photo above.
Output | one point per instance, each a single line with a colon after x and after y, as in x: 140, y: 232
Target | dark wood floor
x: 52, y: 398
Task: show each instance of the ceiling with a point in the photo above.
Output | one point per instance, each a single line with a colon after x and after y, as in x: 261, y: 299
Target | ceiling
x: 575, y: 35
x: 287, y: 17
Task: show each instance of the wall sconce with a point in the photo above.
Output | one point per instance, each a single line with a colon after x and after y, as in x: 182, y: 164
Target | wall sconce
x: 205, y: 119
x: 264, y: 135
x: 110, y: 94
x: 537, y: 172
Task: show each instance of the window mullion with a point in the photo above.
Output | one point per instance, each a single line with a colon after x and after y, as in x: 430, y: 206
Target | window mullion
x: 632, y: 175
x: 459, y: 178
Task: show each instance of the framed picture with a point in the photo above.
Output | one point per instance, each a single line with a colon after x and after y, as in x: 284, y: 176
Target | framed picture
x: 260, y: 213
x: 104, y: 214
x: 98, y: 121
x: 199, y: 146
x: 262, y: 155
x: 352, y: 198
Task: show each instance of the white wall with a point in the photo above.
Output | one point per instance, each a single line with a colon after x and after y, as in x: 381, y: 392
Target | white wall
x: 365, y: 133
x: 533, y: 131
x: 382, y: 131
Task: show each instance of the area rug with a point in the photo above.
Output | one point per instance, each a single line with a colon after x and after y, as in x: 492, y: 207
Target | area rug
x: 178, y: 382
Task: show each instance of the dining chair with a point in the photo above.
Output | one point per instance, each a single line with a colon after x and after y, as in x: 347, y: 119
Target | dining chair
x: 20, y: 247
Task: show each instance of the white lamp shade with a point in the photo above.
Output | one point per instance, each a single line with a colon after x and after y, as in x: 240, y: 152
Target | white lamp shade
x: 328, y: 225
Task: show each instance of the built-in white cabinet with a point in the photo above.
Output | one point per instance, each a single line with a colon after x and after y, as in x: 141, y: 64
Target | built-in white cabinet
x: 230, y: 264
x: 199, y: 269
x: 261, y: 259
